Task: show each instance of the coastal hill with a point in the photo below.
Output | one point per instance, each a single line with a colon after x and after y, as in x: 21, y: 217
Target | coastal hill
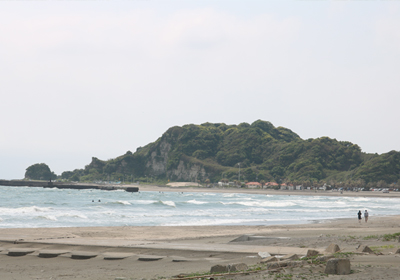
x: 261, y: 151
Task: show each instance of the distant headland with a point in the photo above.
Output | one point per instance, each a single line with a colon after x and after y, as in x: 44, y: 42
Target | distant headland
x: 257, y: 152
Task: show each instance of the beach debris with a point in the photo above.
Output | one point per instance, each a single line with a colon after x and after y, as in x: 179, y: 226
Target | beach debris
x: 333, y: 248
x: 312, y: 253
x: 365, y: 249
x: 120, y: 278
x: 338, y: 266
x: 51, y: 253
x: 398, y: 251
x: 17, y: 252
x: 82, y: 255
x: 269, y: 259
x: 148, y: 258
x: 264, y: 254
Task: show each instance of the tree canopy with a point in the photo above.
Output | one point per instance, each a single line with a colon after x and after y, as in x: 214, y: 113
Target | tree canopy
x: 39, y: 171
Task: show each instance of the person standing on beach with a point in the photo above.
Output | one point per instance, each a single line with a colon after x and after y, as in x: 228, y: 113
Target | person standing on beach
x: 366, y: 214
x: 359, y: 216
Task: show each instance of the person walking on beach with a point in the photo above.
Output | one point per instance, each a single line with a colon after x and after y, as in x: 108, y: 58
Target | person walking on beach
x: 366, y: 214
x: 359, y: 216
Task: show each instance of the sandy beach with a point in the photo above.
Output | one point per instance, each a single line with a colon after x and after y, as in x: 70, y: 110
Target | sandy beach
x: 169, y: 252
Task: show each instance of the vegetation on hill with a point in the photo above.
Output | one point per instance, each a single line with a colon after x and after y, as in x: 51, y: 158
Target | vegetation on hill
x: 260, y: 150
x: 39, y: 171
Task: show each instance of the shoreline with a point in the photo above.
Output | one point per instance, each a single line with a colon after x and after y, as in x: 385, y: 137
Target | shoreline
x: 269, y: 191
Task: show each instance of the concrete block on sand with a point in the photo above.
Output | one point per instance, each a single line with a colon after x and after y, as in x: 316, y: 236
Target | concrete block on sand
x: 17, y: 252
x: 183, y: 259
x: 274, y: 265
x: 295, y: 263
x: 338, y: 266
x: 149, y: 258
x: 219, y: 268
x: 398, y: 251
x: 51, y: 253
x: 269, y: 259
x: 291, y: 257
x: 79, y: 255
x: 117, y: 256
x: 333, y: 248
x: 312, y: 253
x: 365, y: 249
x: 247, y: 237
x: 238, y: 267
x: 324, y: 258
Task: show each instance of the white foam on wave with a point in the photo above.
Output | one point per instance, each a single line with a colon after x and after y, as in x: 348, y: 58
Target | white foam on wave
x: 206, y: 194
x: 261, y: 203
x: 145, y: 202
x: 123, y: 202
x: 157, y: 215
x: 194, y: 201
x: 24, y: 210
x: 47, y: 217
x: 260, y: 210
x: 72, y: 215
x: 168, y: 203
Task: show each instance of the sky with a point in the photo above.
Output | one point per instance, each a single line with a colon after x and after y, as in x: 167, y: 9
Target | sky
x: 83, y: 79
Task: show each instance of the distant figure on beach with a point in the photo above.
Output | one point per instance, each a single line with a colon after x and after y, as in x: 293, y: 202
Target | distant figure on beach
x: 359, y: 216
x: 366, y: 214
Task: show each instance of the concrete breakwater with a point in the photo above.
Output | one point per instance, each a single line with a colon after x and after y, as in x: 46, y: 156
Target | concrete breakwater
x: 63, y: 185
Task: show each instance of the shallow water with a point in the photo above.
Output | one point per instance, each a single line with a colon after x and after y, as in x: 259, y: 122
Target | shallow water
x: 29, y: 207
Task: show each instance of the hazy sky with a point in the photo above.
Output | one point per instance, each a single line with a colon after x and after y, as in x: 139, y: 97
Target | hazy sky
x: 98, y: 78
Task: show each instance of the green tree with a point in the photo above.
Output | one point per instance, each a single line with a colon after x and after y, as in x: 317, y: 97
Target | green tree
x: 39, y: 171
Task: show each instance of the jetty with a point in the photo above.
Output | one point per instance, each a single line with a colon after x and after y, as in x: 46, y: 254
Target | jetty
x: 67, y: 185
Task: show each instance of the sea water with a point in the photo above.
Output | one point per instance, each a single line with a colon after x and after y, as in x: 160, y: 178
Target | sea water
x: 30, y: 207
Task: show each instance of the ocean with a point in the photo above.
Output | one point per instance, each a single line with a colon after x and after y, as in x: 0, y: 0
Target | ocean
x: 30, y: 207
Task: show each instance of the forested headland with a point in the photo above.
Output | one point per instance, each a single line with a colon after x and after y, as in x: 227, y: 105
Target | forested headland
x: 211, y: 152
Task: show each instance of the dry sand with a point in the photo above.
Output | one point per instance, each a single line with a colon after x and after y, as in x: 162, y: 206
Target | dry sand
x: 185, y: 250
